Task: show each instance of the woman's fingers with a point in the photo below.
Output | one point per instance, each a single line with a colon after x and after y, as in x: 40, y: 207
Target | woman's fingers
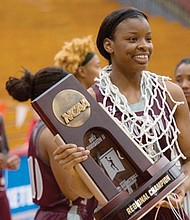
x: 3, y: 160
x: 173, y: 200
x: 13, y: 162
x: 69, y: 164
x: 69, y: 155
x: 60, y: 149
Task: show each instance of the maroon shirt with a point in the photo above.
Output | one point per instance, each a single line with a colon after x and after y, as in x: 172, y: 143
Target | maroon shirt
x: 5, y: 213
x: 164, y: 213
x: 45, y: 190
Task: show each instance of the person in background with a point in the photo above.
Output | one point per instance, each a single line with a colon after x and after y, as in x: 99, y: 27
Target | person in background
x: 7, y: 162
x: 143, y: 102
x: 182, y: 78
x: 78, y: 57
x: 35, y: 118
x: 61, y: 195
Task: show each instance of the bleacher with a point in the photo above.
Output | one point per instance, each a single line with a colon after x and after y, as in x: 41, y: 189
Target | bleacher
x: 184, y: 4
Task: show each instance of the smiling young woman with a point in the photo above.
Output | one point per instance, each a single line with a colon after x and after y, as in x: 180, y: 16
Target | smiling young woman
x: 150, y: 107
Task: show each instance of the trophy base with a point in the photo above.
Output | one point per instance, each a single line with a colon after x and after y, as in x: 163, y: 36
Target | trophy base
x: 143, y: 200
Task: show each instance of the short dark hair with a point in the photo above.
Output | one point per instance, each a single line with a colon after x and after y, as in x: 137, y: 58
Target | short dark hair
x: 182, y: 61
x: 31, y: 86
x: 110, y: 23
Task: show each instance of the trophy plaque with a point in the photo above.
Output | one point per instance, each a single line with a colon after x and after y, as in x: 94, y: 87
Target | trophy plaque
x: 124, y: 180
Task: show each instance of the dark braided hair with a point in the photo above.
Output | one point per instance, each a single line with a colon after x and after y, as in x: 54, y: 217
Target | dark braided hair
x: 31, y: 86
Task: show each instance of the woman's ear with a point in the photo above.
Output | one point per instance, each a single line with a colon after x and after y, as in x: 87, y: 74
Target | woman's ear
x: 80, y: 72
x: 108, y: 45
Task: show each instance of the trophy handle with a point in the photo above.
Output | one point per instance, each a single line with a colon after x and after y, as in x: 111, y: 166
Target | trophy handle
x: 85, y: 177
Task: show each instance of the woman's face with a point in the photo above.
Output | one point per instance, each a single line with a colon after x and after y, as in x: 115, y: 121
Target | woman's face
x: 182, y: 78
x: 132, y: 46
x: 91, y: 71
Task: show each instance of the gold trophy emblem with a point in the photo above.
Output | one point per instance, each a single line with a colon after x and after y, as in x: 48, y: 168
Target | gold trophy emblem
x: 71, y: 108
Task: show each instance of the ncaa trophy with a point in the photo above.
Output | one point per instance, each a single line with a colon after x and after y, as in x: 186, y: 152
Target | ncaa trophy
x: 124, y: 180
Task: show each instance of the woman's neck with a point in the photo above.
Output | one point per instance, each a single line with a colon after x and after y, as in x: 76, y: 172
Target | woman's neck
x: 128, y: 86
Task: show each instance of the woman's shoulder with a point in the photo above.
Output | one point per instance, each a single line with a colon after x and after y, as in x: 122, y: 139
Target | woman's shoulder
x: 165, y: 83
x: 176, y: 91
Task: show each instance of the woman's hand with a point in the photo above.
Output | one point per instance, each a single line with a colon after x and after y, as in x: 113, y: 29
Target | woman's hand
x: 175, y: 199
x: 68, y: 155
x: 13, y: 162
x: 9, y: 162
x: 3, y: 161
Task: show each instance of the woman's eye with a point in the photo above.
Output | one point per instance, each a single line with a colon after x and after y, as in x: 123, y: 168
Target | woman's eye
x: 132, y: 39
x: 178, y: 80
x: 149, y: 39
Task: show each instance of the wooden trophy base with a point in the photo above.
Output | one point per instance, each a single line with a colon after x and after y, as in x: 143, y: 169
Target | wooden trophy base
x: 144, y: 199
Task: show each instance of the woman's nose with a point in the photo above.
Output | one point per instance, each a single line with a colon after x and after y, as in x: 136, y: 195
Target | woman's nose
x: 143, y: 44
x: 185, y: 84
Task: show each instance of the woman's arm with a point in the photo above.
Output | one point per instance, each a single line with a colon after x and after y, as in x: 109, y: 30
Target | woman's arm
x: 11, y: 162
x: 182, y: 118
x: 62, y: 160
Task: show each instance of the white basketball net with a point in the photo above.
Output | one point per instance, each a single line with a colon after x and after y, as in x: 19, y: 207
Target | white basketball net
x: 147, y: 129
